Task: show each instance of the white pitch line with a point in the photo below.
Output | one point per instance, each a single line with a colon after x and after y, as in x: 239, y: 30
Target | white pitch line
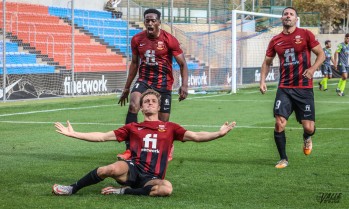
x: 75, y: 108
x: 251, y: 100
x: 202, y: 98
x: 53, y: 110
x: 202, y: 126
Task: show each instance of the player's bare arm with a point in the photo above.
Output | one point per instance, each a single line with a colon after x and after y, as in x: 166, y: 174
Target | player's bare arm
x: 264, y: 72
x: 131, y: 75
x: 204, y: 136
x: 320, y: 58
x: 335, y: 60
x: 91, y: 136
x: 183, y: 90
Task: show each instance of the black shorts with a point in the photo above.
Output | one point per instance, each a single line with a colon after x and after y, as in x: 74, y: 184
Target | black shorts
x: 301, y: 101
x: 165, y: 96
x: 136, y: 178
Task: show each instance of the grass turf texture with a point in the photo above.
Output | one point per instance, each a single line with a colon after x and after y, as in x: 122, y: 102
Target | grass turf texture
x: 236, y: 171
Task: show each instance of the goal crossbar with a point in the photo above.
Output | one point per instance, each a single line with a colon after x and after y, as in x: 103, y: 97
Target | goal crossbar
x: 234, y: 40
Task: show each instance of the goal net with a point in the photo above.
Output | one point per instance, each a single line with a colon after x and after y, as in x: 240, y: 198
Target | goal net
x: 230, y: 55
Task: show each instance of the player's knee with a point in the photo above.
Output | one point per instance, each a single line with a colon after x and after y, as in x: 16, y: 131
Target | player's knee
x: 280, y: 124
x: 308, y: 126
x: 107, y: 171
x: 166, y: 188
x: 102, y: 172
x: 133, y: 107
x: 310, y: 130
x: 167, y: 191
x: 163, y: 189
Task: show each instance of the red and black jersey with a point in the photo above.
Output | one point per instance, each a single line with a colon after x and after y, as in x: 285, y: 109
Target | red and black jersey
x: 294, y: 53
x: 150, y: 144
x: 156, y: 58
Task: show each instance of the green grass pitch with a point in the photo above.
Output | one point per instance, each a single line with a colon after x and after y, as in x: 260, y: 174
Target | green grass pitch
x: 236, y: 171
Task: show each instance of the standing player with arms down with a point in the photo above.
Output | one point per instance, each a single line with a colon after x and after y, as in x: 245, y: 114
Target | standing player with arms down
x: 152, y: 53
x: 150, y: 142
x: 341, y: 57
x: 326, y: 66
x: 295, y: 89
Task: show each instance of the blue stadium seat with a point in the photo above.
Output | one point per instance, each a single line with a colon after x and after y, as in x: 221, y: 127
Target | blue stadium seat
x: 20, y: 69
x: 99, y: 23
x: 21, y: 62
x: 10, y: 47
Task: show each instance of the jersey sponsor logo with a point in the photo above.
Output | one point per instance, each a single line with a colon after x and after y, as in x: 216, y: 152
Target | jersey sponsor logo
x: 298, y: 39
x: 140, y: 128
x: 162, y: 128
x: 140, y: 45
x: 161, y: 45
x: 150, y: 58
x: 290, y: 57
x: 279, y: 43
x: 150, y: 142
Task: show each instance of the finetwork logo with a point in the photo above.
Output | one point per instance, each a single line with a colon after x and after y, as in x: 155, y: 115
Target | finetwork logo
x: 270, y: 76
x: 85, y: 86
x: 200, y: 80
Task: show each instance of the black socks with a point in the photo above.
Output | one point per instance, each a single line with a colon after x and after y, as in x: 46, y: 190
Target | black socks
x: 89, y: 179
x: 280, y: 141
x: 131, y: 117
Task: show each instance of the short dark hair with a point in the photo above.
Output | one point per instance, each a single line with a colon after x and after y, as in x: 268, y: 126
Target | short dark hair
x: 347, y: 35
x: 152, y: 11
x: 327, y: 41
x: 290, y: 8
x: 150, y: 91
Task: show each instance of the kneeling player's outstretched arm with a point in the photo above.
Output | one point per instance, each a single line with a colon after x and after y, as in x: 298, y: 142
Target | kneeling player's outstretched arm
x: 89, y: 136
x: 204, y: 136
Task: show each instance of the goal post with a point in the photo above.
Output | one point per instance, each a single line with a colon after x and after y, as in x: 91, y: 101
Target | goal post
x: 249, y: 43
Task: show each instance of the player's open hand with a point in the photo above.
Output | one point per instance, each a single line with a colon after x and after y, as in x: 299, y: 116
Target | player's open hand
x: 226, y: 127
x: 60, y: 128
x: 124, y: 97
x: 183, y: 93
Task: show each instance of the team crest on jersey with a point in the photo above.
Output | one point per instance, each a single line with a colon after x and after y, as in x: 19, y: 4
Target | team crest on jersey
x: 298, y: 39
x: 161, y: 128
x: 161, y: 45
